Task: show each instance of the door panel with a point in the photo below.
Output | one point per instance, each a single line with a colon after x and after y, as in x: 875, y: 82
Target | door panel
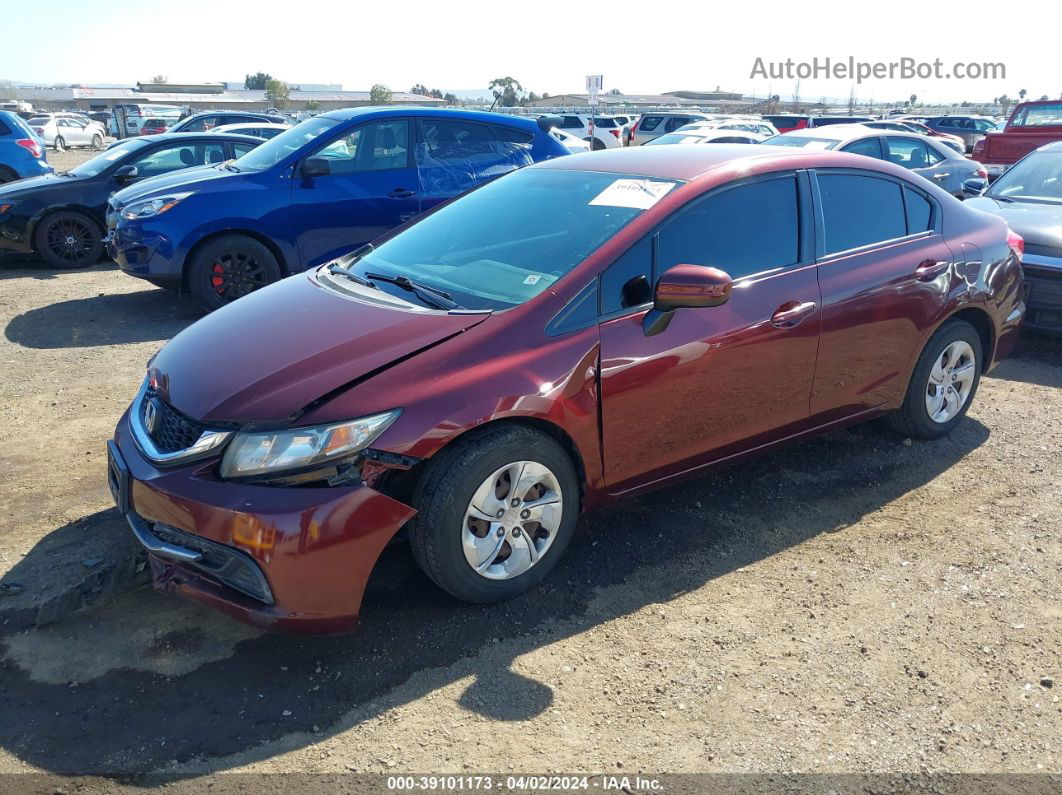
x: 373, y: 187
x: 877, y: 297
x: 716, y: 381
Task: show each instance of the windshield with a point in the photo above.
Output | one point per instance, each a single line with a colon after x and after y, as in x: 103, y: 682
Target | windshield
x: 291, y: 140
x: 1037, y: 178
x: 506, y: 242
x: 805, y: 141
x: 106, y: 158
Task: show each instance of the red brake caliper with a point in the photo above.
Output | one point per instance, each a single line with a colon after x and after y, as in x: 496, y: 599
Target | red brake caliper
x: 218, y: 280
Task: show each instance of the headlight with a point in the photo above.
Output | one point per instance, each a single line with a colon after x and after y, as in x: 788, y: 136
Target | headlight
x: 153, y: 207
x: 271, y: 452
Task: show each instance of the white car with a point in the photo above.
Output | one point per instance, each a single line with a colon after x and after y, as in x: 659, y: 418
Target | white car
x: 573, y: 143
x: 708, y: 136
x: 61, y: 131
x: 741, y: 124
x: 608, y: 131
x: 258, y: 130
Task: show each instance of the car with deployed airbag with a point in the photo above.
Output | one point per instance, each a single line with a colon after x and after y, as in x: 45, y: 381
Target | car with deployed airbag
x: 573, y: 333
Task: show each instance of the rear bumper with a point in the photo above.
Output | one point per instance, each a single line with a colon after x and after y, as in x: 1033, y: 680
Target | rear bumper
x: 285, y: 559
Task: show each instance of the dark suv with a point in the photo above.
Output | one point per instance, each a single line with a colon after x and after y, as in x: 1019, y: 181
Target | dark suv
x: 970, y: 128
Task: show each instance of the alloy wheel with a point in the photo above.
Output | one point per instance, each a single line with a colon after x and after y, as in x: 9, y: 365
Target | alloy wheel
x: 950, y: 381
x: 512, y: 520
x: 70, y: 240
x: 235, y: 274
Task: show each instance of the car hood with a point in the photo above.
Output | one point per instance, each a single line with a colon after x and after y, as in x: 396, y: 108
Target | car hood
x: 12, y: 190
x: 267, y: 356
x: 1040, y: 224
x: 185, y: 179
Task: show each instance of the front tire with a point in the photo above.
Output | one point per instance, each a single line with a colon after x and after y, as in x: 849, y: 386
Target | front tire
x: 230, y: 267
x: 943, y: 383
x: 68, y: 240
x: 97, y: 142
x: 59, y: 144
x: 496, y: 511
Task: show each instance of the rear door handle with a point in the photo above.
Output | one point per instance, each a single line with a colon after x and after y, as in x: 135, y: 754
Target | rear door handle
x: 929, y: 269
x: 401, y: 193
x: 941, y: 175
x: 791, y: 313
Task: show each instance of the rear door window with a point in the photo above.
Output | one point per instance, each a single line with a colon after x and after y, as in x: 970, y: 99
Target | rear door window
x: 649, y: 123
x: 457, y: 155
x: 907, y: 152
x: 919, y: 212
x: 859, y: 211
x: 743, y: 230
x: 867, y: 146
x: 675, y: 122
x: 512, y: 135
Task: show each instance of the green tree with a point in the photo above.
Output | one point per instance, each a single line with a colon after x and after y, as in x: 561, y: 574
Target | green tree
x: 278, y: 93
x: 313, y: 104
x: 257, y: 82
x: 380, y: 94
x: 451, y: 99
x: 419, y: 88
x: 1021, y: 94
x: 507, y: 91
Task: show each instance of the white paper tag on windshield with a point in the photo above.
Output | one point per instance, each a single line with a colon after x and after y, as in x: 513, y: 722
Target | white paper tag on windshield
x: 639, y: 194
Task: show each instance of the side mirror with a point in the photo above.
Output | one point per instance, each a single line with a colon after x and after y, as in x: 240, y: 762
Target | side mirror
x: 685, y: 287
x: 316, y: 167
x: 973, y: 187
x: 125, y: 174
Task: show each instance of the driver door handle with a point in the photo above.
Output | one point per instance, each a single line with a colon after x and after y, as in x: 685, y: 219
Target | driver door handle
x: 401, y: 193
x: 929, y: 269
x: 792, y: 313
x: 941, y: 175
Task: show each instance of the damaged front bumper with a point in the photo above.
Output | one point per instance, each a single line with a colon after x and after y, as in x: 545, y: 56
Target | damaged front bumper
x: 293, y: 559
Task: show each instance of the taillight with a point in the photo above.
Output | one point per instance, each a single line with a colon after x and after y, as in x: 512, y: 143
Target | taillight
x: 30, y: 145
x: 1016, y: 243
x: 615, y: 133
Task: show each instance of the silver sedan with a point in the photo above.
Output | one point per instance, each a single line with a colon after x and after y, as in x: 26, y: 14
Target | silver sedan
x: 935, y: 161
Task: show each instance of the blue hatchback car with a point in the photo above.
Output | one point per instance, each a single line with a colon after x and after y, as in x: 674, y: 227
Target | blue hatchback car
x: 313, y: 193
x: 21, y: 151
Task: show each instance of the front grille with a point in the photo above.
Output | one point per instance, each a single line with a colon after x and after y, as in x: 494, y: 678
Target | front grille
x: 171, y: 431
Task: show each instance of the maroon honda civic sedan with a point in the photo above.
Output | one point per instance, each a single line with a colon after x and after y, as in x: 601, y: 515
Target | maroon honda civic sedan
x: 567, y: 335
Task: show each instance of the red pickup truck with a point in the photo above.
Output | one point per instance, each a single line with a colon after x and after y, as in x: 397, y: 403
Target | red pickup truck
x: 1031, y: 125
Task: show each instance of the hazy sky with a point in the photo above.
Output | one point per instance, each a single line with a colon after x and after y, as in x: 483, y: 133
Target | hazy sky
x: 547, y: 46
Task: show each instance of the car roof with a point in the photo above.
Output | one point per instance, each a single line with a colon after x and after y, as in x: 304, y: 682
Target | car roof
x: 716, y: 163
x: 259, y: 125
x: 486, y: 117
x: 1054, y: 146
x: 208, y: 137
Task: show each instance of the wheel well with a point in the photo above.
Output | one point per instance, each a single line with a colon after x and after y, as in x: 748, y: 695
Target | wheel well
x: 401, y: 486
x: 265, y: 241
x: 980, y: 320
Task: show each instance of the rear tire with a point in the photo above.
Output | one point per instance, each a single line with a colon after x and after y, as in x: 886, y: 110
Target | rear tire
x: 97, y: 142
x: 68, y: 240
x: 445, y: 535
x: 59, y: 144
x: 952, y: 355
x: 230, y: 267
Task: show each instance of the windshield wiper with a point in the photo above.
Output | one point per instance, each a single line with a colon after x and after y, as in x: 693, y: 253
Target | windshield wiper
x: 429, y: 295
x: 339, y: 270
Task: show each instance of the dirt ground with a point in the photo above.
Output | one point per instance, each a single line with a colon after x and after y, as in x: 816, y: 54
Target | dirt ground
x: 859, y: 603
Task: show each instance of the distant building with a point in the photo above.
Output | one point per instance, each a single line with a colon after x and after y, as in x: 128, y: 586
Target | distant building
x: 205, y: 96
x: 677, y: 99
